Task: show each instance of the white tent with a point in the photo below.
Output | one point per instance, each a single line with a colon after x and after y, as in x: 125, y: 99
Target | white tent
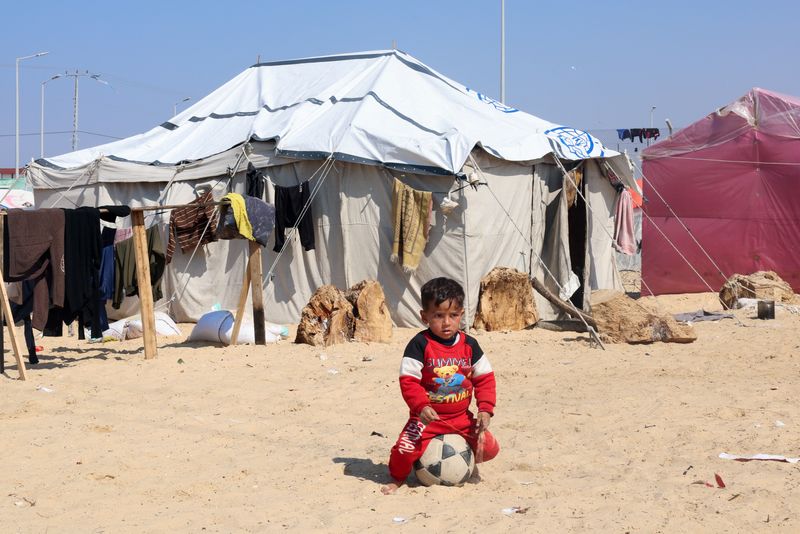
x: 377, y: 115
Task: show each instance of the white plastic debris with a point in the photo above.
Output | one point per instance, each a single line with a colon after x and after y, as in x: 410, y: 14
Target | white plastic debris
x: 399, y: 520
x: 44, y: 389
x: 780, y: 423
x: 333, y: 371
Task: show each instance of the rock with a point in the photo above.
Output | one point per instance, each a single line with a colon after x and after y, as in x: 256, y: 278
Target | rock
x: 327, y: 319
x: 623, y: 320
x: 505, y: 301
x: 759, y: 285
x: 372, y: 319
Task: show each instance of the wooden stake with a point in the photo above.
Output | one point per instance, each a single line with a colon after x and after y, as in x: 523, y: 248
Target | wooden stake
x: 237, y: 323
x: 145, y: 287
x: 12, y: 332
x: 256, y: 275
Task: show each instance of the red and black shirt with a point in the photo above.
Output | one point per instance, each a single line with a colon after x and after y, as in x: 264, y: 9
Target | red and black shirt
x: 444, y: 374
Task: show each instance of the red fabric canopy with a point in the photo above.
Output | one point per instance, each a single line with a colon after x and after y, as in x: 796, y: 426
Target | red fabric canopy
x: 733, y: 179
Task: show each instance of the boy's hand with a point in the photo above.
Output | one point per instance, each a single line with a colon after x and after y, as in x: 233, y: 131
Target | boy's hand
x: 428, y: 414
x: 482, y: 422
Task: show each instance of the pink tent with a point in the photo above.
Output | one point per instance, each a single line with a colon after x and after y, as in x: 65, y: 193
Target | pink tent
x: 733, y: 179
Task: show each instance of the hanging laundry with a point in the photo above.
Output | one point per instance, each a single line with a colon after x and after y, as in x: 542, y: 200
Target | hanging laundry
x: 125, y: 282
x: 624, y: 236
x: 106, y: 274
x: 259, y: 214
x: 34, y: 250
x: 192, y: 226
x: 255, y: 182
x: 624, y: 134
x: 238, y: 210
x: 411, y: 210
x: 652, y: 133
x: 289, y: 203
x: 122, y: 234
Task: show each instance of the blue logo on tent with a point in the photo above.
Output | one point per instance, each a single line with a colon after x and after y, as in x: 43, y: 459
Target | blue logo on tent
x: 578, y: 143
x: 499, y: 106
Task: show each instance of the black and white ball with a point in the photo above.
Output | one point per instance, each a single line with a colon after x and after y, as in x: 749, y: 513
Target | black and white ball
x: 448, y: 460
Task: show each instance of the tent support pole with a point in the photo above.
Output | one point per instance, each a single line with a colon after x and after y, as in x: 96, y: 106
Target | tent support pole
x: 256, y: 281
x: 237, y: 323
x: 145, y: 287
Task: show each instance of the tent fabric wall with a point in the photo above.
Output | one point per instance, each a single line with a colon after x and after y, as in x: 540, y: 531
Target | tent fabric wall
x: 731, y: 178
x: 601, y: 203
x: 353, y: 234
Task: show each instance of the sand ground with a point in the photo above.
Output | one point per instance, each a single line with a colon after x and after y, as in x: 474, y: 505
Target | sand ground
x: 246, y: 439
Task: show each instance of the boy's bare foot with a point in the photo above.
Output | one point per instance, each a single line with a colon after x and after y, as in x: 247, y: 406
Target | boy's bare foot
x: 391, y: 487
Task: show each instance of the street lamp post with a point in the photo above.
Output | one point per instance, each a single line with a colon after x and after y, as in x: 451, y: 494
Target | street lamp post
x: 41, y: 115
x: 75, y: 75
x: 652, y: 109
x: 175, y: 105
x: 16, y: 132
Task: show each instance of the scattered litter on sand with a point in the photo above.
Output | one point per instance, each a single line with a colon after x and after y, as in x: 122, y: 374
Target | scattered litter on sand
x: 765, y: 457
x: 44, y: 389
x: 515, y: 510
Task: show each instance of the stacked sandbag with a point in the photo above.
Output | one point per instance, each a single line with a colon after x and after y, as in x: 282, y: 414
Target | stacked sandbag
x: 372, y: 320
x: 327, y: 319
x: 761, y: 285
x: 506, y: 301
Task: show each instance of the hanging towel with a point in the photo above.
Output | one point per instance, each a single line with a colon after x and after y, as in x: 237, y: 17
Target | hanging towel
x: 624, y: 237
x: 411, y: 211
x: 239, y: 209
x: 289, y: 203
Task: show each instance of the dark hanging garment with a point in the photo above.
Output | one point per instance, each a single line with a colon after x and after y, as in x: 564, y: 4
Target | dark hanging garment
x: 289, y: 202
x: 255, y: 182
x: 125, y: 282
x: 262, y: 218
x: 34, y: 250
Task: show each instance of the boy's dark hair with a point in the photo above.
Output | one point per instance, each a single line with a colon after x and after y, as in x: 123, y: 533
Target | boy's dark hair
x: 440, y: 290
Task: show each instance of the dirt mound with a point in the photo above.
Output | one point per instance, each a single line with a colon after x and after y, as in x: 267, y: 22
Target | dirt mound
x: 620, y: 319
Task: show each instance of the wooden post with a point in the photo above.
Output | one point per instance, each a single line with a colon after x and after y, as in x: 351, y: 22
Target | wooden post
x: 12, y: 332
x: 237, y: 323
x: 256, y: 275
x: 145, y: 287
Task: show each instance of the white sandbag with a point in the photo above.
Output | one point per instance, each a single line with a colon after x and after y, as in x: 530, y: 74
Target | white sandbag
x: 278, y: 330
x: 211, y: 326
x: 116, y: 330
x: 217, y: 326
x: 247, y: 335
x: 165, y: 326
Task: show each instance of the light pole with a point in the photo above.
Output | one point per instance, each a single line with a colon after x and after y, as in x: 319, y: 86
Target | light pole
x: 41, y: 115
x: 503, y: 51
x: 16, y: 134
x: 75, y: 75
x: 175, y: 105
x: 652, y: 109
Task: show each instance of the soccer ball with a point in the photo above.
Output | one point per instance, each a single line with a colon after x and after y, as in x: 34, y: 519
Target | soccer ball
x: 448, y: 460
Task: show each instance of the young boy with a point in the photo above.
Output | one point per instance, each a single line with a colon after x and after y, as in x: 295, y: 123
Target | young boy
x: 441, y: 368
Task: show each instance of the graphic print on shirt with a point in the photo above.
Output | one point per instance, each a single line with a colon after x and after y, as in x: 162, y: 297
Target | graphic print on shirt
x: 449, y: 384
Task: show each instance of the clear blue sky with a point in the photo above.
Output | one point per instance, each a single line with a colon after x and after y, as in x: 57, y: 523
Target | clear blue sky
x: 590, y: 64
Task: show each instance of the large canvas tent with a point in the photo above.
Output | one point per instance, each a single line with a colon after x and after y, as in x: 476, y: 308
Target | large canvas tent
x: 378, y: 116
x: 731, y: 180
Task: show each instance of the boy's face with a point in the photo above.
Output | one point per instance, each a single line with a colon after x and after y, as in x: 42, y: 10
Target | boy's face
x: 444, y: 319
